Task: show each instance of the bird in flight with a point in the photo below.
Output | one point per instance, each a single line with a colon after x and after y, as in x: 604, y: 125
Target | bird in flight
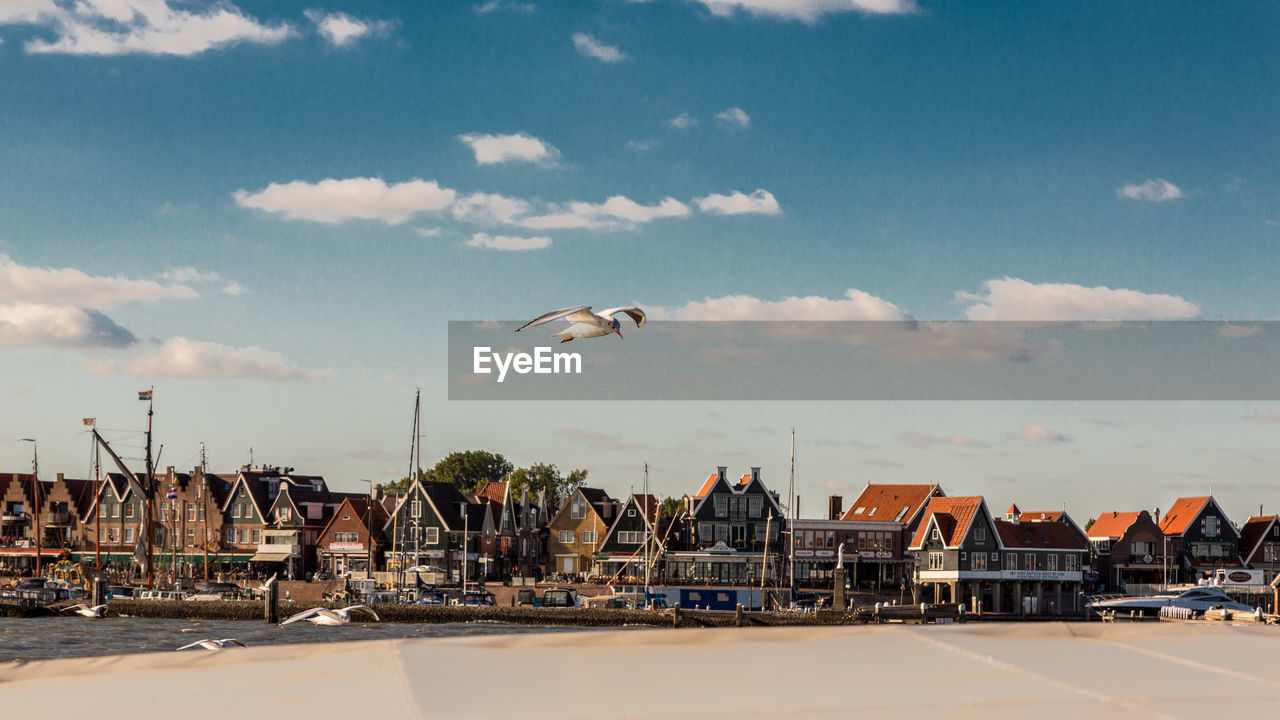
x: 90, y: 612
x: 325, y: 616
x: 213, y: 644
x: 586, y: 324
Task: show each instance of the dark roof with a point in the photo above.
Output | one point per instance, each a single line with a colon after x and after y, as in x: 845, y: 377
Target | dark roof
x: 81, y: 492
x: 1038, y: 536
x: 475, y: 515
x: 596, y: 496
x: 446, y: 497
x: 1254, y: 530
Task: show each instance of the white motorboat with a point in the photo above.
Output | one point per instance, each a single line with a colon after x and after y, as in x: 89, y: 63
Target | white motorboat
x: 1198, y: 599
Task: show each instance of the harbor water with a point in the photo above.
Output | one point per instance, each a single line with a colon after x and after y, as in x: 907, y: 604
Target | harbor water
x: 23, y: 639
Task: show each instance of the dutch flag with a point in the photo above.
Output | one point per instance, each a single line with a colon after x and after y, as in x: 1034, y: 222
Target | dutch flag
x: 172, y: 494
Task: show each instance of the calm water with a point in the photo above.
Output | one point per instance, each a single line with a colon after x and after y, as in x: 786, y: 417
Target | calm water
x: 59, y: 637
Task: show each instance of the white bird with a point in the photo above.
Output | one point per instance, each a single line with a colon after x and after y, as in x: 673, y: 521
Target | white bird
x: 325, y: 616
x: 586, y: 324
x: 264, y: 587
x: 213, y: 644
x: 90, y: 612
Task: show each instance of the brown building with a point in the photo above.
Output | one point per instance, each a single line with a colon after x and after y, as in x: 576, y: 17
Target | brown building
x: 579, y: 528
x: 1260, y: 545
x: 344, y: 544
x: 1127, y: 548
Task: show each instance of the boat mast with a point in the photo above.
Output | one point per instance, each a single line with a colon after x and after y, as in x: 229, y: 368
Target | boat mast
x: 149, y: 490
x: 204, y: 518
x: 646, y: 532
x: 791, y: 524
x: 97, y: 508
x: 417, y: 466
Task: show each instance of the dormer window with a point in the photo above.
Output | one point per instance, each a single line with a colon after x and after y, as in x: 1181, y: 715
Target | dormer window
x: 937, y: 535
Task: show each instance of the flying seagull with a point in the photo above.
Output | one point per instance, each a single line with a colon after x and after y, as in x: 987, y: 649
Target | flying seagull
x: 586, y: 324
x: 90, y: 612
x: 267, y: 585
x: 213, y: 644
x: 325, y: 616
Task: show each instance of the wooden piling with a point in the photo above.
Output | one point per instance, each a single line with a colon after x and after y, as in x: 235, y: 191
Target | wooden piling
x: 737, y: 616
x: 271, y: 603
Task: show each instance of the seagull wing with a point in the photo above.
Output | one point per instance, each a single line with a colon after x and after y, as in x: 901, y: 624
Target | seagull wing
x: 348, y: 610
x: 197, y: 643
x: 582, y: 313
x: 231, y: 641
x: 304, y: 615
x: 98, y: 609
x: 72, y: 607
x: 634, y: 313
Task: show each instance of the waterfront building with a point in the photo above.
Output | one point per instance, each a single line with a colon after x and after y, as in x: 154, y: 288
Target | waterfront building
x: 433, y: 523
x: 1200, y: 537
x: 1260, y: 545
x: 622, y: 551
x: 577, y: 529
x: 734, y: 533
x: 886, y: 516
x: 1128, y: 548
x: 343, y: 545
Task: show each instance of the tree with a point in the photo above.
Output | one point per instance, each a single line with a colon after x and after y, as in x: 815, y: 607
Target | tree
x: 468, y: 471
x: 542, y: 476
x: 672, y: 507
x: 1089, y: 524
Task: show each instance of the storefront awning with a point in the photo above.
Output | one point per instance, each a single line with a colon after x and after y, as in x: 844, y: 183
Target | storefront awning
x: 269, y: 557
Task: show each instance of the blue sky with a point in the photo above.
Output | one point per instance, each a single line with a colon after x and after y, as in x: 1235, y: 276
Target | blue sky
x: 295, y: 199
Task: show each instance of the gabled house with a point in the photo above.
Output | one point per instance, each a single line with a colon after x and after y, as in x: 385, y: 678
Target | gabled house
x: 622, y: 551
x: 577, y: 529
x: 957, y: 549
x: 1201, y: 537
x: 876, y: 530
x: 294, y: 522
x: 734, y: 533
x: 431, y: 524
x: 1127, y: 547
x: 1041, y: 566
x: 344, y: 544
x: 499, y: 543
x: 1260, y: 545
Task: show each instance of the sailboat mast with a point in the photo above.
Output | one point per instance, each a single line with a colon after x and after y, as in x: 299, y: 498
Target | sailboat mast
x: 97, y: 509
x: 646, y: 532
x: 148, y: 490
x: 791, y: 524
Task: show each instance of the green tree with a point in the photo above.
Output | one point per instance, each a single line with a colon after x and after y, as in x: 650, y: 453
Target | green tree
x: 468, y: 471
x: 672, y: 507
x: 1089, y: 524
x: 542, y: 476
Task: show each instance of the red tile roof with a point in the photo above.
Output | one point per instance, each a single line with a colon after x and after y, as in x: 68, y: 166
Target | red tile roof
x: 954, y: 514
x: 706, y: 486
x: 1040, y: 516
x: 1038, y: 536
x: 1013, y: 509
x: 1181, y: 515
x: 887, y: 502
x: 495, y: 491
x: 1112, y: 525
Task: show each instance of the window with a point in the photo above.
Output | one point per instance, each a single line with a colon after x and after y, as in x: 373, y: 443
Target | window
x: 936, y: 535
x: 873, y: 510
x: 578, y: 509
x: 102, y: 534
x: 115, y: 510
x: 1010, y: 561
x: 631, y: 512
x: 1030, y: 559
x: 112, y: 536
x: 128, y: 510
x: 978, y: 561
x: 1102, y: 545
x: 235, y: 510
x: 128, y: 535
x: 588, y: 536
x: 1211, y: 526
x: 102, y: 510
x: 901, y: 513
x: 1271, y: 553
x: 191, y: 537
x: 1052, y: 560
x: 859, y: 510
x: 721, y: 505
x: 1071, y: 562
x: 980, y: 534
x: 566, y: 537
x: 935, y: 561
x: 415, y: 508
x: 755, y: 506
x: 202, y: 512
x: 191, y: 512
x: 284, y: 514
x: 231, y: 536
x: 433, y: 535
x: 256, y: 537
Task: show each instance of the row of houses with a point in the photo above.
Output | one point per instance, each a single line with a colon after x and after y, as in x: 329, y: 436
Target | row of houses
x: 729, y: 531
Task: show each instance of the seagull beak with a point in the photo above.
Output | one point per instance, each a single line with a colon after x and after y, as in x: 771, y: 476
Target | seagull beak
x: 618, y: 333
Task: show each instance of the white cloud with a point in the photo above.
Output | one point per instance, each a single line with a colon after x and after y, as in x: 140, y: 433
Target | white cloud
x: 1014, y: 299
x: 1039, y: 434
x: 856, y: 305
x: 1156, y: 190
x: 68, y: 286
x: 734, y: 117
x: 490, y: 209
x: 683, y: 121
x: 152, y: 27
x: 189, y: 274
x: 643, y: 145
x: 234, y: 288
x: 808, y: 11
x: 31, y: 325
x: 427, y: 232
x: 341, y: 30
x: 617, y: 212
x: 507, y: 242
x: 590, y: 47
x: 494, y: 5
x: 761, y: 201
x: 493, y: 149
x: 334, y: 201
x: 183, y: 358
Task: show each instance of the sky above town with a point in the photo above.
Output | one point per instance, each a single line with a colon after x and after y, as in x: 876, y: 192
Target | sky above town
x: 271, y: 211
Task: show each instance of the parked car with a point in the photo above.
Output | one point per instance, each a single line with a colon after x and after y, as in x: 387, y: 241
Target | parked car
x: 476, y: 598
x: 560, y: 597
x: 527, y: 596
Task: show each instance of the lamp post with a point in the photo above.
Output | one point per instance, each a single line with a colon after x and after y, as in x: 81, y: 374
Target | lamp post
x: 35, y: 493
x: 368, y: 526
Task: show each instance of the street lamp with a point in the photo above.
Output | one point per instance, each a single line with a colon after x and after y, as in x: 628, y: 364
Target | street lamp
x: 368, y: 526
x: 35, y: 492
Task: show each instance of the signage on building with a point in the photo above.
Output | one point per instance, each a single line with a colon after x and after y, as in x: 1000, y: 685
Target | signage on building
x: 346, y: 547
x: 878, y: 554
x: 1041, y: 575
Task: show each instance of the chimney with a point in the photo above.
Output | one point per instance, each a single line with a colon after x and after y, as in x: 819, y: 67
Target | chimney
x: 721, y: 470
x: 377, y: 492
x: 797, y: 512
x: 1157, y: 516
x: 755, y: 474
x: 835, y: 507
x: 60, y: 480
